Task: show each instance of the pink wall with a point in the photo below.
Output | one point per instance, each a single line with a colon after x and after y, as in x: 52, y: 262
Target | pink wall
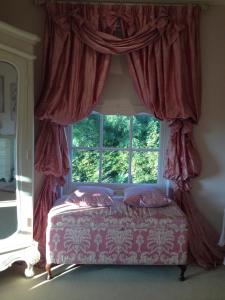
x: 209, y: 189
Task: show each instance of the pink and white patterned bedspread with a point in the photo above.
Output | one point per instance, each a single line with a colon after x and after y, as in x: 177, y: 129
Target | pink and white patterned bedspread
x: 116, y: 235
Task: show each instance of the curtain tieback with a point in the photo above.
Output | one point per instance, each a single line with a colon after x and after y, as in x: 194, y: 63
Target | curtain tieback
x: 183, y: 126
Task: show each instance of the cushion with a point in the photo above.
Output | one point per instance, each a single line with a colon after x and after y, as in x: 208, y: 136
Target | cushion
x: 89, y: 199
x: 93, y: 189
x: 154, y: 199
x: 134, y: 190
x: 145, y: 197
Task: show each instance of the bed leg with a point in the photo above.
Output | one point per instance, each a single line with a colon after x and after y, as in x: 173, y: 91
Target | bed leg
x: 183, y: 268
x: 48, y: 270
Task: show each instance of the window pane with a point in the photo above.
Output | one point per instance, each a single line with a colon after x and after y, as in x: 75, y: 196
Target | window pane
x: 86, y: 132
x: 85, y: 166
x: 146, y: 131
x: 116, y: 131
x: 115, y: 167
x: 144, y: 167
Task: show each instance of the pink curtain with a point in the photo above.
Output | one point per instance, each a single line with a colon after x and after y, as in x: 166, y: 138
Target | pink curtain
x: 162, y: 46
x: 166, y: 76
x: 78, y: 79
x: 182, y: 161
x: 183, y: 164
x: 43, y: 204
x: 52, y: 157
x: 74, y: 76
x: 74, y: 73
x: 203, y: 238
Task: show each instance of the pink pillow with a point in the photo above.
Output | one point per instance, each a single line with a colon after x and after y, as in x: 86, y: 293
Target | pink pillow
x: 136, y: 190
x: 146, y: 198
x: 89, y: 199
x: 94, y: 189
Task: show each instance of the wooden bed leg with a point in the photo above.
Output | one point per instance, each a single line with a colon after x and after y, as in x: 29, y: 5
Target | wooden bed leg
x: 48, y: 270
x: 183, y: 268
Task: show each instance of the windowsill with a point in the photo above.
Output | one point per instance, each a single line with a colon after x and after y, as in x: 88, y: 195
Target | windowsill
x: 117, y: 188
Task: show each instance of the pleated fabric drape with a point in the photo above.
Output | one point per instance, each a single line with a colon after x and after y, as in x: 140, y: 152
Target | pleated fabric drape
x: 162, y: 48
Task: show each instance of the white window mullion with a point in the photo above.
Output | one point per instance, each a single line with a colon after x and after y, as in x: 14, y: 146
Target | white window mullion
x: 86, y: 148
x: 130, y: 152
x: 161, y: 152
x: 117, y: 149
x: 101, y: 148
x: 68, y: 178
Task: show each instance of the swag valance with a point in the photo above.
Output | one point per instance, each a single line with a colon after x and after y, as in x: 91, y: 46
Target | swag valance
x: 162, y: 51
x: 162, y: 48
x: 106, y: 43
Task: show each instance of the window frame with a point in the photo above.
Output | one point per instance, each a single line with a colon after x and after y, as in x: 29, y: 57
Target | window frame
x: 118, y: 188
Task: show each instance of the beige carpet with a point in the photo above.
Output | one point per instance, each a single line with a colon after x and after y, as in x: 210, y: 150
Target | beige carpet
x: 114, y: 282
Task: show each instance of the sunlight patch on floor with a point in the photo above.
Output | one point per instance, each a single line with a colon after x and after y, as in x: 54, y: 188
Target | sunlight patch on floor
x: 66, y: 270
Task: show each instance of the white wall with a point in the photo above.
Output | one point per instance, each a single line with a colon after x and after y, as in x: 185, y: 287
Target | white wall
x: 209, y: 188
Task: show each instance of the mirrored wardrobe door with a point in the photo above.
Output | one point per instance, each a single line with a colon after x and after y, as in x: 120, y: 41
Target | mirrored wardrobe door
x: 8, y: 133
x: 16, y: 148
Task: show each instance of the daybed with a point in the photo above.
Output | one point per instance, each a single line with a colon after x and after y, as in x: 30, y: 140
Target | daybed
x: 116, y: 235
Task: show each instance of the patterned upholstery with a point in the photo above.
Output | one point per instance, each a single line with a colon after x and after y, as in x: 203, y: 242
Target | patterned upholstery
x: 117, y: 235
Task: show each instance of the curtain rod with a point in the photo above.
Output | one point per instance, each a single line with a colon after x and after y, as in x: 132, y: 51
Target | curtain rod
x: 203, y: 6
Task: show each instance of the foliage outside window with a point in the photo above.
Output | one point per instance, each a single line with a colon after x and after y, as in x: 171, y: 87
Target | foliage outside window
x: 116, y: 149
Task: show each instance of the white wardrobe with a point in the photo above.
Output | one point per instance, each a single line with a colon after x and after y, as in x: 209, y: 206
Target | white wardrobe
x: 16, y: 148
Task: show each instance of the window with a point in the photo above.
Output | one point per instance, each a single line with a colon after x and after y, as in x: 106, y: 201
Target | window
x: 116, y: 149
